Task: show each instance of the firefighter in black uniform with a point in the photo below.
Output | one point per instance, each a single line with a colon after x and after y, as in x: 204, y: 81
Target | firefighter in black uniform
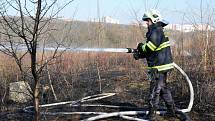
x: 157, y: 52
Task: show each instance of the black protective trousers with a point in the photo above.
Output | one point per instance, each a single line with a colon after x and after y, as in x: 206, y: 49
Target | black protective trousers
x: 159, y: 89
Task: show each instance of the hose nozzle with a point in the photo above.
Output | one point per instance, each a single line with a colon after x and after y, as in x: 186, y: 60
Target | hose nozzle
x: 131, y: 50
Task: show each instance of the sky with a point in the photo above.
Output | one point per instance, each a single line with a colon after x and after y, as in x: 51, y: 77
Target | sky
x: 126, y: 11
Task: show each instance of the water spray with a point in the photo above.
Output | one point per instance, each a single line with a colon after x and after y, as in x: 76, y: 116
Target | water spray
x: 115, y: 50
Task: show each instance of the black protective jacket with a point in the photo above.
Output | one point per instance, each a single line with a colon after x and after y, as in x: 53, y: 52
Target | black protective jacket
x: 156, y: 49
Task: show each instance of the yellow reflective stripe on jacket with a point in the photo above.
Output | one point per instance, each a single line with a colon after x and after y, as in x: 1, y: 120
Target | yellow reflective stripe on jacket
x: 144, y: 47
x: 154, y: 48
x: 163, y: 67
x: 163, y: 45
x: 151, y: 46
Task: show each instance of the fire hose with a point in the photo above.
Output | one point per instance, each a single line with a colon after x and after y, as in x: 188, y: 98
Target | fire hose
x: 101, y: 115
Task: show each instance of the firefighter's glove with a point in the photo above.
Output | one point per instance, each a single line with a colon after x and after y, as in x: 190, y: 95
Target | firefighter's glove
x: 136, y: 55
x: 139, y: 47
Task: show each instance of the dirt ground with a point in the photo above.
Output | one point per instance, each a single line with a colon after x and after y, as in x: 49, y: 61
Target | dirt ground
x: 131, y: 91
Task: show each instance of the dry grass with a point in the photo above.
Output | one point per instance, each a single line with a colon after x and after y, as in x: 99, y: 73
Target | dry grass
x: 75, y: 75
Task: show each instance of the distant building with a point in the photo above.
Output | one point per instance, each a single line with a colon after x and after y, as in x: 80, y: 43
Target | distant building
x: 66, y: 19
x: 190, y: 28
x: 106, y: 19
x: 203, y: 27
x: 179, y: 27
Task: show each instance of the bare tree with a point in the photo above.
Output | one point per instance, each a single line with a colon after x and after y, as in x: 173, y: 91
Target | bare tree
x: 202, y: 20
x: 26, y: 30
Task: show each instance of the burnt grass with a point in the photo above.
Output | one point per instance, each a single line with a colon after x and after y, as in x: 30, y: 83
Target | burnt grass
x: 131, y: 88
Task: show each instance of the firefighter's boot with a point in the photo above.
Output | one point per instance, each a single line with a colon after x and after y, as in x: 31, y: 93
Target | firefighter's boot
x: 171, y: 111
x: 151, y: 116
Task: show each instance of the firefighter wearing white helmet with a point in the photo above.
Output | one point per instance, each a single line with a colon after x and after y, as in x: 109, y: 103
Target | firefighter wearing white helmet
x: 157, y: 52
x: 155, y: 17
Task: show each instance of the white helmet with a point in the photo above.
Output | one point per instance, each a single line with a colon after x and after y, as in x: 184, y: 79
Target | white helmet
x: 155, y: 16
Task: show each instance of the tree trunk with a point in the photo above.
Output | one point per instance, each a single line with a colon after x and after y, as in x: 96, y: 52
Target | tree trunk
x: 34, y: 61
x: 36, y: 79
x: 36, y: 84
x: 36, y: 101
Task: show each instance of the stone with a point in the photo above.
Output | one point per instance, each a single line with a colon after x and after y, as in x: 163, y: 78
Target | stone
x: 19, y: 92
